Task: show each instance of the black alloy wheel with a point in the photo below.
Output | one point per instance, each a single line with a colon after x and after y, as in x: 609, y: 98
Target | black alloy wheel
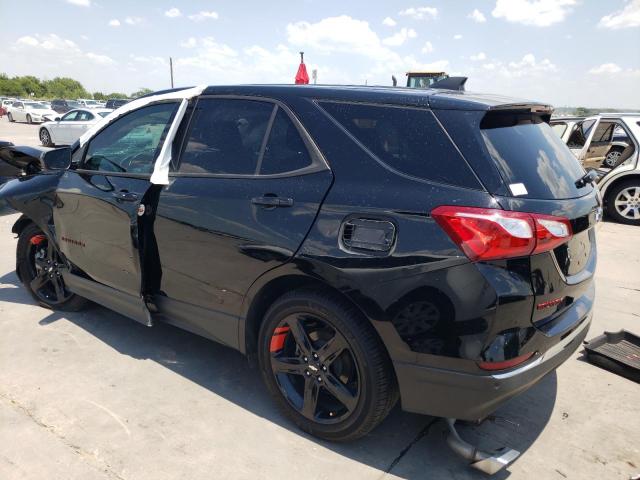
x: 325, y: 365
x: 314, y: 368
x: 40, y: 268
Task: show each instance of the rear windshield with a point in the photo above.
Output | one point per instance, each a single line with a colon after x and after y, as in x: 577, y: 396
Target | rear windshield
x: 409, y: 140
x: 532, y: 159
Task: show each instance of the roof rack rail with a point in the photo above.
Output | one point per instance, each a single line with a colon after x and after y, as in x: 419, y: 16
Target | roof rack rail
x: 451, y: 83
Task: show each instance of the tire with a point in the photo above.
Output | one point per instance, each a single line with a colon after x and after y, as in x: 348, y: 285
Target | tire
x: 45, y: 137
x: 29, y: 119
x: 623, y: 202
x: 612, y: 158
x: 37, y: 265
x: 355, y: 389
x: 10, y: 117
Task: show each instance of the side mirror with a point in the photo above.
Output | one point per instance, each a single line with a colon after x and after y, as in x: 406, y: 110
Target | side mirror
x: 57, y: 119
x: 58, y: 159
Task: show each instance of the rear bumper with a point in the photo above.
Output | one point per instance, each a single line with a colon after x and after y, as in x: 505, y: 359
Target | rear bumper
x: 465, y: 396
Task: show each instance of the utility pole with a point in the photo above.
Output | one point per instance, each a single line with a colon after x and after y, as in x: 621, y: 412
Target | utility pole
x: 171, y: 70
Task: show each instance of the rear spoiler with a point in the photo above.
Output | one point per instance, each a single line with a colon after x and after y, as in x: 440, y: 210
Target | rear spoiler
x: 450, y: 83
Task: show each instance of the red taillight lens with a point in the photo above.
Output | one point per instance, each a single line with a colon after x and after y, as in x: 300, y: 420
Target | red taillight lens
x: 490, y: 234
x: 505, y: 364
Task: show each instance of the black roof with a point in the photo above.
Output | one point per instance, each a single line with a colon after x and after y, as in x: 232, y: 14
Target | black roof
x: 433, y: 98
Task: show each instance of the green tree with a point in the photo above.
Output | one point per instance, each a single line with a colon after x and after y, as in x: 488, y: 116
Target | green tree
x: 117, y: 95
x: 142, y: 91
x: 99, y: 96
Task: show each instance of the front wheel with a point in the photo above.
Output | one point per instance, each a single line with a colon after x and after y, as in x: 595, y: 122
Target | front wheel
x: 623, y: 202
x: 45, y: 138
x: 325, y: 366
x: 10, y: 117
x: 40, y: 269
x: 29, y: 119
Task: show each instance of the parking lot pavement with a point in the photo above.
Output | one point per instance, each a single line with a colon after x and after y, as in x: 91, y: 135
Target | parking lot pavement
x: 93, y: 395
x: 19, y: 133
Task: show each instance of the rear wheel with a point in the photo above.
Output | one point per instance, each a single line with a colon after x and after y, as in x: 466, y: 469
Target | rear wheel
x: 325, y: 366
x: 45, y: 137
x: 623, y: 202
x: 612, y: 158
x: 40, y: 269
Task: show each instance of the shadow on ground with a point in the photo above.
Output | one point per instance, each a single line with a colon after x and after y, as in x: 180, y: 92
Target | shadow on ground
x: 407, y: 445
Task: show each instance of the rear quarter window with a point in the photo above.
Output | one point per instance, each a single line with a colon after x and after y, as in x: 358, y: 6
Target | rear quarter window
x: 408, y: 140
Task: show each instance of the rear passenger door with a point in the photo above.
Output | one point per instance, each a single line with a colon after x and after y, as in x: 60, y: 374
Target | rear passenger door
x: 246, y: 191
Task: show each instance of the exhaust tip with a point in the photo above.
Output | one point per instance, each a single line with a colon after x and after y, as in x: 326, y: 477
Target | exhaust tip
x: 496, y: 462
x: 488, y: 463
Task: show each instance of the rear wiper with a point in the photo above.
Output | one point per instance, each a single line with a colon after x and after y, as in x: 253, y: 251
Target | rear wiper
x: 589, y: 177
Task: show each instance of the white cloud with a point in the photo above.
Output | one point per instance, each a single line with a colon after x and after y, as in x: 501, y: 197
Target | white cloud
x: 190, y: 42
x: 114, y: 22
x: 605, y: 69
x: 427, y: 48
x: 400, y: 37
x: 27, y: 40
x: 478, y: 57
x: 100, y: 59
x: 149, y: 60
x: 389, y: 22
x: 173, y: 13
x: 538, y: 13
x: 477, y: 16
x: 528, y: 66
x: 457, y: 36
x: 80, y: 3
x: 419, y: 13
x: 628, y: 17
x: 204, y: 15
x: 133, y: 20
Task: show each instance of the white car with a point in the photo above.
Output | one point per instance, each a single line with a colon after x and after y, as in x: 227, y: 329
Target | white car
x: 66, y: 129
x: 30, y: 112
x: 89, y: 103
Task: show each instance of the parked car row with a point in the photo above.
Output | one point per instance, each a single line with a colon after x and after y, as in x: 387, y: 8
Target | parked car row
x: 67, y: 129
x: 22, y: 110
x: 609, y: 145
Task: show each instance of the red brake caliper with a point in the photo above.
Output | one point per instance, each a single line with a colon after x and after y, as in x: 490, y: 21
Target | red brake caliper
x: 278, y: 338
x: 37, y: 239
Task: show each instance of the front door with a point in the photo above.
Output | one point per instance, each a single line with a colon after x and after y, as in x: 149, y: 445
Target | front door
x: 99, y: 204
x: 247, y: 190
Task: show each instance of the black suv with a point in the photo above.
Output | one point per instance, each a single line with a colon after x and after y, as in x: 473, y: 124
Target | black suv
x: 361, y: 244
x: 114, y: 103
x: 63, y: 106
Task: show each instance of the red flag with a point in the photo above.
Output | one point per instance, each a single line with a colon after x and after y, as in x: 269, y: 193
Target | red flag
x: 302, y: 77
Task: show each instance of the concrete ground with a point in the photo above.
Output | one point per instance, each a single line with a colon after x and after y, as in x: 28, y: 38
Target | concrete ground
x: 93, y: 395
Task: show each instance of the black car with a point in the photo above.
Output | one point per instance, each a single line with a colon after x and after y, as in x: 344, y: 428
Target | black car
x: 114, y: 103
x: 63, y: 106
x: 362, y: 245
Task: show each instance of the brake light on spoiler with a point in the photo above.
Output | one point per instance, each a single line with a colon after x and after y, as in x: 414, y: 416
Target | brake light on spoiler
x: 490, y: 234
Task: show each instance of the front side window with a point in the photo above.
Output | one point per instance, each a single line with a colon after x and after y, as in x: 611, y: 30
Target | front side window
x: 85, y: 116
x: 71, y: 116
x: 226, y: 136
x: 132, y: 142
x: 579, y: 136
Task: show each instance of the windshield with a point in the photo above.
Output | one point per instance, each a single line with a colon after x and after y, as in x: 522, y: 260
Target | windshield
x: 36, y: 106
x: 72, y: 104
x: 532, y: 159
x: 91, y: 102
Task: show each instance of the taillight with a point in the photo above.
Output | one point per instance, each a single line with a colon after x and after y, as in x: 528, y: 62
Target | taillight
x: 490, y: 234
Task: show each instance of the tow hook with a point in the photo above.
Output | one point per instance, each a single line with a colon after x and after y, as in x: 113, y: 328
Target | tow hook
x: 488, y: 463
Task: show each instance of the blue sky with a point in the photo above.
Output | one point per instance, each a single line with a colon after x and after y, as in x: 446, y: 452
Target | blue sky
x: 566, y: 52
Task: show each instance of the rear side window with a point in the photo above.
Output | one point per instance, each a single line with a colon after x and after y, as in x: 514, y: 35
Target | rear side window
x: 285, y: 150
x: 531, y: 158
x: 409, y: 140
x: 226, y: 137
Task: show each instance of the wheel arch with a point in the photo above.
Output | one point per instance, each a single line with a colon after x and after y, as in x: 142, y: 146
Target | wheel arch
x: 21, y: 224
x: 610, y: 186
x: 266, y: 290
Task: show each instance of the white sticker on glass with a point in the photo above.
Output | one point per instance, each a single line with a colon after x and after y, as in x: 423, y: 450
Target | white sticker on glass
x: 517, y: 189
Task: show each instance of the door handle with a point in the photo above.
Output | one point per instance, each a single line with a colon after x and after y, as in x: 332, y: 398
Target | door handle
x: 125, y: 196
x: 272, y: 201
